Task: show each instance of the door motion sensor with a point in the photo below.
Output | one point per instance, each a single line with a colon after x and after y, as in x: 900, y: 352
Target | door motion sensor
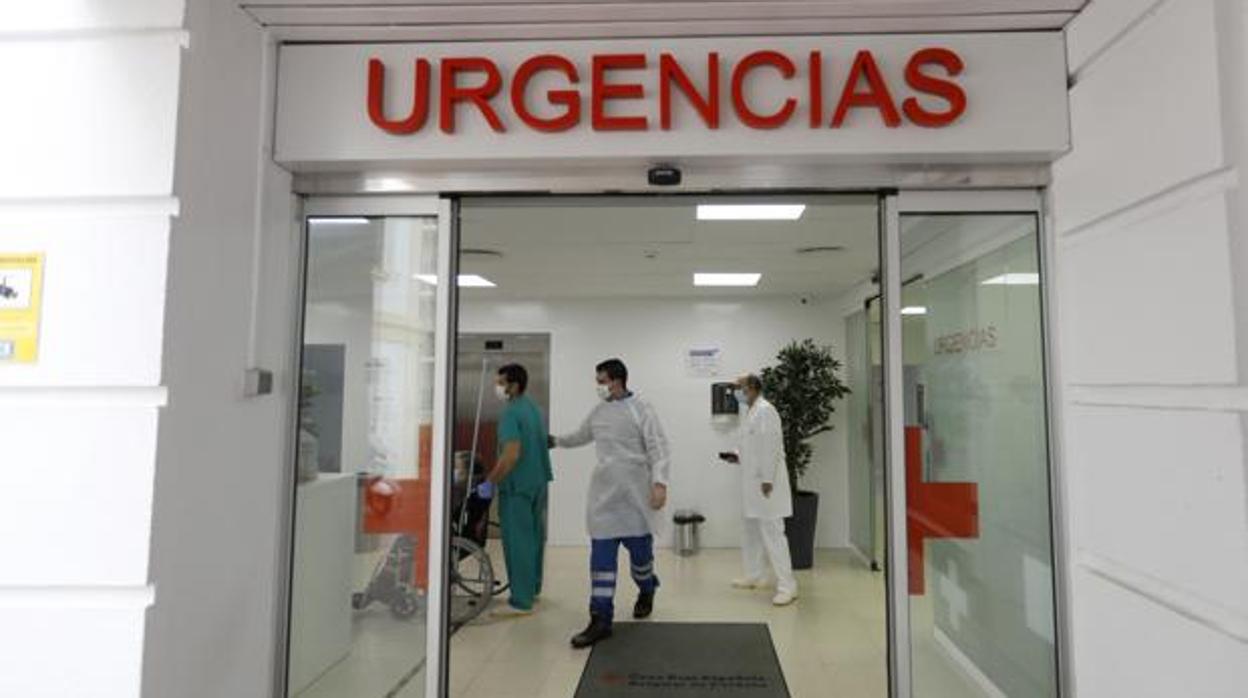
x: 664, y: 176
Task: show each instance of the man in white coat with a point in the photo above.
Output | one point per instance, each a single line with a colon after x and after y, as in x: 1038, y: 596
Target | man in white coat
x: 766, y: 498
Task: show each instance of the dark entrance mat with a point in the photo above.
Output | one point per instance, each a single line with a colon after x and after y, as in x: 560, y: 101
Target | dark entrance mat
x: 689, y: 660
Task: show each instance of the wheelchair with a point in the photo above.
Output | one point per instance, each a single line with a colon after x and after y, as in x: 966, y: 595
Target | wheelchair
x: 473, y: 580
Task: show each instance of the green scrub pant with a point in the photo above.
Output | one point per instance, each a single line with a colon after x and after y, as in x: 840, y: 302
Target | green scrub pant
x: 523, y: 520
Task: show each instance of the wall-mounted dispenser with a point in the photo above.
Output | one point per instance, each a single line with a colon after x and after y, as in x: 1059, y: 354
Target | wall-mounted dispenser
x: 722, y: 400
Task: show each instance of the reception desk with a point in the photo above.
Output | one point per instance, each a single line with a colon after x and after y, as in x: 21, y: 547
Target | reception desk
x: 320, y: 630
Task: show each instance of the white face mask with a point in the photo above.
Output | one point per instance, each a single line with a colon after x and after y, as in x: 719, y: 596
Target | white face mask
x: 604, y: 392
x: 739, y: 394
x: 501, y: 392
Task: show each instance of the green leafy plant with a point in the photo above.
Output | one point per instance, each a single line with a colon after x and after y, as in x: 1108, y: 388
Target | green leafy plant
x: 804, y: 387
x: 308, y: 390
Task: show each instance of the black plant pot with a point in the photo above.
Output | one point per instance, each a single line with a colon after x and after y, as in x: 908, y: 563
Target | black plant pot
x: 800, y: 529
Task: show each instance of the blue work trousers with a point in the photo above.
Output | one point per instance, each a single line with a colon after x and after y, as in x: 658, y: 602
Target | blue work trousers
x: 603, y: 565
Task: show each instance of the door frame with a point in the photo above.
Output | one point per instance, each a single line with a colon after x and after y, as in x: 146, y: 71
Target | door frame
x: 1006, y: 201
x: 375, y: 205
x: 892, y: 205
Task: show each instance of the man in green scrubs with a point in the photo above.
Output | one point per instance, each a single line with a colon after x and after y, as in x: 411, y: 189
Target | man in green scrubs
x: 522, y: 475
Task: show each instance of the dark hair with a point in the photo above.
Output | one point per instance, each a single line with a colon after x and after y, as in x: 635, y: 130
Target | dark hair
x: 754, y: 382
x: 615, y: 370
x: 515, y: 373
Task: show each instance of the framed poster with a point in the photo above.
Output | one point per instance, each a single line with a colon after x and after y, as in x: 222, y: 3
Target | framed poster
x: 21, y: 284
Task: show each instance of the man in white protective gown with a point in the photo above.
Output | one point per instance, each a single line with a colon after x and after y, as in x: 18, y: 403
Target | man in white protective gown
x: 627, y: 489
x: 766, y: 497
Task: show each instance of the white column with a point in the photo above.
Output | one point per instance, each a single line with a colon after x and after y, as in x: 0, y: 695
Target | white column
x: 1153, y: 295
x: 87, y: 139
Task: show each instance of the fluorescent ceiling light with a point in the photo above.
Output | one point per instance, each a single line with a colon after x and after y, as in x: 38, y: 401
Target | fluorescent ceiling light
x: 1019, y: 279
x: 750, y: 212
x: 726, y: 279
x: 465, y: 280
x: 914, y: 310
x: 338, y: 221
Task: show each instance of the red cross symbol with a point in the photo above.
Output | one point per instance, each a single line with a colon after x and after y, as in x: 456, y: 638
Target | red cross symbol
x: 934, y: 509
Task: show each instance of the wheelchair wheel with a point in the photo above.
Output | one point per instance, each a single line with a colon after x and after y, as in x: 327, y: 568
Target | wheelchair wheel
x: 405, y: 603
x: 472, y: 581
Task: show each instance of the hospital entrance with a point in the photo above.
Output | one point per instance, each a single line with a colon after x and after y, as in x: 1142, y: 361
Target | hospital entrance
x: 691, y: 293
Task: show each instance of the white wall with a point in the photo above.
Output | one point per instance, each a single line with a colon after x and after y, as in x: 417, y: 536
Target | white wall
x: 221, y: 455
x: 1151, y: 243
x: 87, y: 137
x: 651, y: 335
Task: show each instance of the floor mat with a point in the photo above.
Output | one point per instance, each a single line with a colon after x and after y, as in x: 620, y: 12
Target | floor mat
x: 689, y: 660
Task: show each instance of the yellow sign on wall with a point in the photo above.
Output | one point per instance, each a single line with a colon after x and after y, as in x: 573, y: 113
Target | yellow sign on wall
x: 21, y: 300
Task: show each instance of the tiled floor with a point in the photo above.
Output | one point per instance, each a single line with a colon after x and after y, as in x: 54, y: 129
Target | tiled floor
x: 830, y: 643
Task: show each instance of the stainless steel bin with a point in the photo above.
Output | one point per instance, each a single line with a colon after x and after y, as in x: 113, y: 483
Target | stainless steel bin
x: 687, y: 522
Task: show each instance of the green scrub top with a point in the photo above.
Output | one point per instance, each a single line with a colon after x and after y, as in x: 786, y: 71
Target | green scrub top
x: 522, y: 421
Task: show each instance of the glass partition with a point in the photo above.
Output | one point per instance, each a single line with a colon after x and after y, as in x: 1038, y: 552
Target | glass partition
x: 361, y: 539
x: 976, y: 457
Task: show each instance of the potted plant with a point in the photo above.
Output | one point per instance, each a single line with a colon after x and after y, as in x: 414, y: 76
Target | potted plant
x: 804, y: 387
x: 308, y: 460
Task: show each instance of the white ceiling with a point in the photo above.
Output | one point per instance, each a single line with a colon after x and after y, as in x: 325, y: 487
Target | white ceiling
x: 492, y: 20
x: 601, y: 247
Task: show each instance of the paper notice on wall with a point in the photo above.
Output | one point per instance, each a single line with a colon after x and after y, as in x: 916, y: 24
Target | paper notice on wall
x: 21, y: 290
x: 703, y: 362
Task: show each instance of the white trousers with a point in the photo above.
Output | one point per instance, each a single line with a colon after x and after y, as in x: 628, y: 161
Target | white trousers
x: 764, y: 541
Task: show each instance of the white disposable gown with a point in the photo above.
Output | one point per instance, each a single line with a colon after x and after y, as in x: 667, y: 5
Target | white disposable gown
x: 633, y: 455
x: 761, y: 453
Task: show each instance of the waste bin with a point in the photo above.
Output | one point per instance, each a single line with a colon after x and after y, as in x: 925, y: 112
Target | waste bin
x: 687, y: 521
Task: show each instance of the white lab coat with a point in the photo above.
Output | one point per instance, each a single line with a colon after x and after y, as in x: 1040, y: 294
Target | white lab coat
x: 761, y: 453
x: 633, y: 455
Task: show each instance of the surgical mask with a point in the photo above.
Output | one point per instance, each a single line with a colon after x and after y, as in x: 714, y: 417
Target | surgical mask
x: 501, y: 392
x: 604, y: 392
x: 739, y: 395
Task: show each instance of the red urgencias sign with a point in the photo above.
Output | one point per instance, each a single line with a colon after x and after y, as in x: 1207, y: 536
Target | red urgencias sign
x: 479, y: 85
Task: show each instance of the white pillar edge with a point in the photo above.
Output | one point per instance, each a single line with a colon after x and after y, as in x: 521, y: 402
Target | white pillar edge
x: 178, y: 34
x: 1196, y: 189
x: 85, y: 396
x: 1221, y: 619
x: 1211, y: 398
x: 119, y: 598
x: 89, y: 207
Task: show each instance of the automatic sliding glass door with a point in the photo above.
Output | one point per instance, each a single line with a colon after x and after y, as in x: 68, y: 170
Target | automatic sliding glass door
x: 970, y: 450
x: 367, y: 538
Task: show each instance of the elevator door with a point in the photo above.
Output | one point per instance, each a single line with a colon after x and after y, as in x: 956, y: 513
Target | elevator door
x: 477, y: 410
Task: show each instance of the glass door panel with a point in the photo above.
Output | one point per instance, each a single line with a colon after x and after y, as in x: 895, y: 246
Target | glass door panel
x: 866, y: 433
x: 976, y: 457
x: 360, y: 601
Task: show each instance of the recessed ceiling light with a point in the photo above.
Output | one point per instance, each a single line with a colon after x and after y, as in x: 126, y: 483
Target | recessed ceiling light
x: 914, y: 310
x: 750, y: 212
x: 1016, y: 279
x: 339, y: 221
x: 750, y: 279
x: 465, y: 280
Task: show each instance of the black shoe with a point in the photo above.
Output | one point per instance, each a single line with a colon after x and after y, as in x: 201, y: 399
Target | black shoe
x: 644, y: 606
x: 599, y: 628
